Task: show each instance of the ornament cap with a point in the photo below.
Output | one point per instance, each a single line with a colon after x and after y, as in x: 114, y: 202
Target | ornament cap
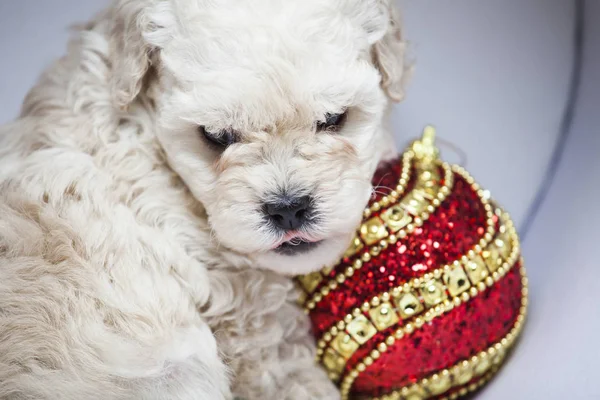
x: 428, y: 135
x: 425, y: 147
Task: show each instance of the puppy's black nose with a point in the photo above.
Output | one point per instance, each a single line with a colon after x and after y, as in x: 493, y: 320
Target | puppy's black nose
x: 289, y: 213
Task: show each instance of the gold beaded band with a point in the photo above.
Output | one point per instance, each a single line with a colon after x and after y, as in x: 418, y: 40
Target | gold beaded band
x: 472, y: 387
x: 471, y: 265
x: 397, y: 222
x: 416, y: 395
x: 498, y: 268
x: 485, y: 364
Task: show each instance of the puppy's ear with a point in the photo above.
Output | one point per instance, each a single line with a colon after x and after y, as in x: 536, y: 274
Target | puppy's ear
x: 130, y: 52
x: 389, y: 50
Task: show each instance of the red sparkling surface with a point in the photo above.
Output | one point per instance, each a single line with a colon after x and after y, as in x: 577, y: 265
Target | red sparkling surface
x: 386, y: 172
x: 455, y: 227
x: 466, y: 330
x: 384, y: 181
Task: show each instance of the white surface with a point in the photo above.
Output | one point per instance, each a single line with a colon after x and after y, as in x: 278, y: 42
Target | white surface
x: 559, y: 357
x: 33, y: 33
x: 493, y: 77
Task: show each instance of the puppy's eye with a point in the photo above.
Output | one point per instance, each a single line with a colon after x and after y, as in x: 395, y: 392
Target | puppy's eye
x: 333, y: 122
x: 221, y: 140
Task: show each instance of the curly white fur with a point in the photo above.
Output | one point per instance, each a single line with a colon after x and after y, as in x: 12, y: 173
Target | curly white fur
x: 134, y: 261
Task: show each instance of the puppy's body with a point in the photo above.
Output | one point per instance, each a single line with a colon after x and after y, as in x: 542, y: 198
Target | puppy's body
x: 127, y: 268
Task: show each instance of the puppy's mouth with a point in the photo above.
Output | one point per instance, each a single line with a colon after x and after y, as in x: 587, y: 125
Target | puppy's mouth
x: 296, y: 246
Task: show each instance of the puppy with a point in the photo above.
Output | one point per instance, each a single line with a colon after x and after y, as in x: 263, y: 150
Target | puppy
x: 165, y: 180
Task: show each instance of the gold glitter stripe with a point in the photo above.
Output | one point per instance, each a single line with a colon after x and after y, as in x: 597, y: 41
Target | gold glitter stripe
x: 463, y: 372
x: 418, y: 209
x: 343, y: 339
x: 424, y: 150
x: 469, y: 267
x: 395, y: 194
x: 436, y: 311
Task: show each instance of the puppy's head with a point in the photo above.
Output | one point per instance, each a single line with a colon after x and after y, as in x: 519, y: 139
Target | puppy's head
x: 271, y: 111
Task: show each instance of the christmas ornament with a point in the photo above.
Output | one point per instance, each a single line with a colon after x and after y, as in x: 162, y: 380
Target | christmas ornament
x: 431, y: 293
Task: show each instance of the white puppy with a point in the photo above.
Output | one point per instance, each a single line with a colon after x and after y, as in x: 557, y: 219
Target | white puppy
x: 165, y: 180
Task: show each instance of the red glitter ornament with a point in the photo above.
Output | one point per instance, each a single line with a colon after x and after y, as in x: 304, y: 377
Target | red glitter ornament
x: 430, y: 295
